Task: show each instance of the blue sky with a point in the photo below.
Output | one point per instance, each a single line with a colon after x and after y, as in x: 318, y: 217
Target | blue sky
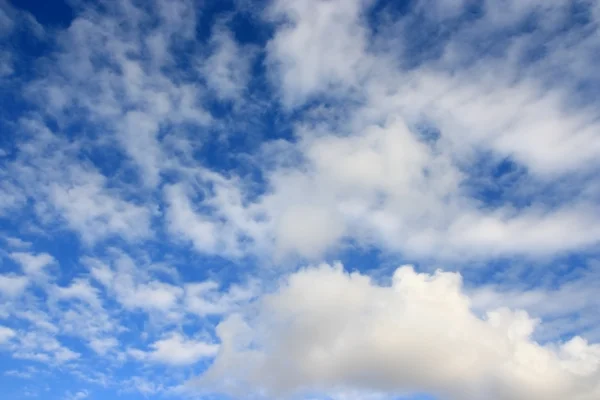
x: 316, y: 199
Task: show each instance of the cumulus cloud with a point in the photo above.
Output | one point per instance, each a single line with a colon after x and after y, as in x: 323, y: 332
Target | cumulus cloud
x: 325, y: 328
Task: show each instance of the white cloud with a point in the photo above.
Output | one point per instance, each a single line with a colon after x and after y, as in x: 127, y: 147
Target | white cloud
x: 308, y: 230
x: 12, y: 285
x: 365, y: 173
x: 359, y: 170
x: 565, y: 307
x: 26, y: 373
x: 142, y: 385
x: 176, y: 350
x: 94, y: 212
x: 227, y: 69
x: 17, y: 243
x: 139, y: 137
x: 38, y: 318
x: 75, y: 310
x: 33, y: 265
x: 12, y: 197
x: 368, y: 175
x: 41, y: 347
x: 134, y: 288
x: 184, y: 221
x: 78, y: 289
x: 305, y: 59
x: 205, y: 298
x: 102, y: 346
x: 66, y: 189
x: 325, y: 328
x: 6, y: 334
x: 79, y: 395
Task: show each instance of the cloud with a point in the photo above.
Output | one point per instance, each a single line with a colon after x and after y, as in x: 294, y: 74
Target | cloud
x: 104, y: 345
x: 369, y: 173
x: 6, y: 334
x: 66, y: 189
x: 207, y: 298
x: 12, y: 286
x: 133, y: 288
x: 78, y: 289
x: 42, y: 347
x: 91, y: 210
x: 143, y: 386
x: 13, y: 22
x: 304, y: 62
x: 227, y: 69
x: 176, y: 350
x: 18, y: 243
x: 47, y: 310
x: 325, y: 328
x: 82, y: 394
x: 567, y: 307
x: 201, y: 231
x: 398, y: 156
x: 164, y: 151
x: 33, y: 265
x: 27, y: 373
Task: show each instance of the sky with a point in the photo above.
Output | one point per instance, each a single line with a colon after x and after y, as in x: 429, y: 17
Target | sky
x: 300, y: 199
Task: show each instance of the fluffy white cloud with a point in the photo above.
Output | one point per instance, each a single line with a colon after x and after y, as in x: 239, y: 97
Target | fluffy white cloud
x: 305, y: 60
x: 325, y: 328
x: 176, y: 350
